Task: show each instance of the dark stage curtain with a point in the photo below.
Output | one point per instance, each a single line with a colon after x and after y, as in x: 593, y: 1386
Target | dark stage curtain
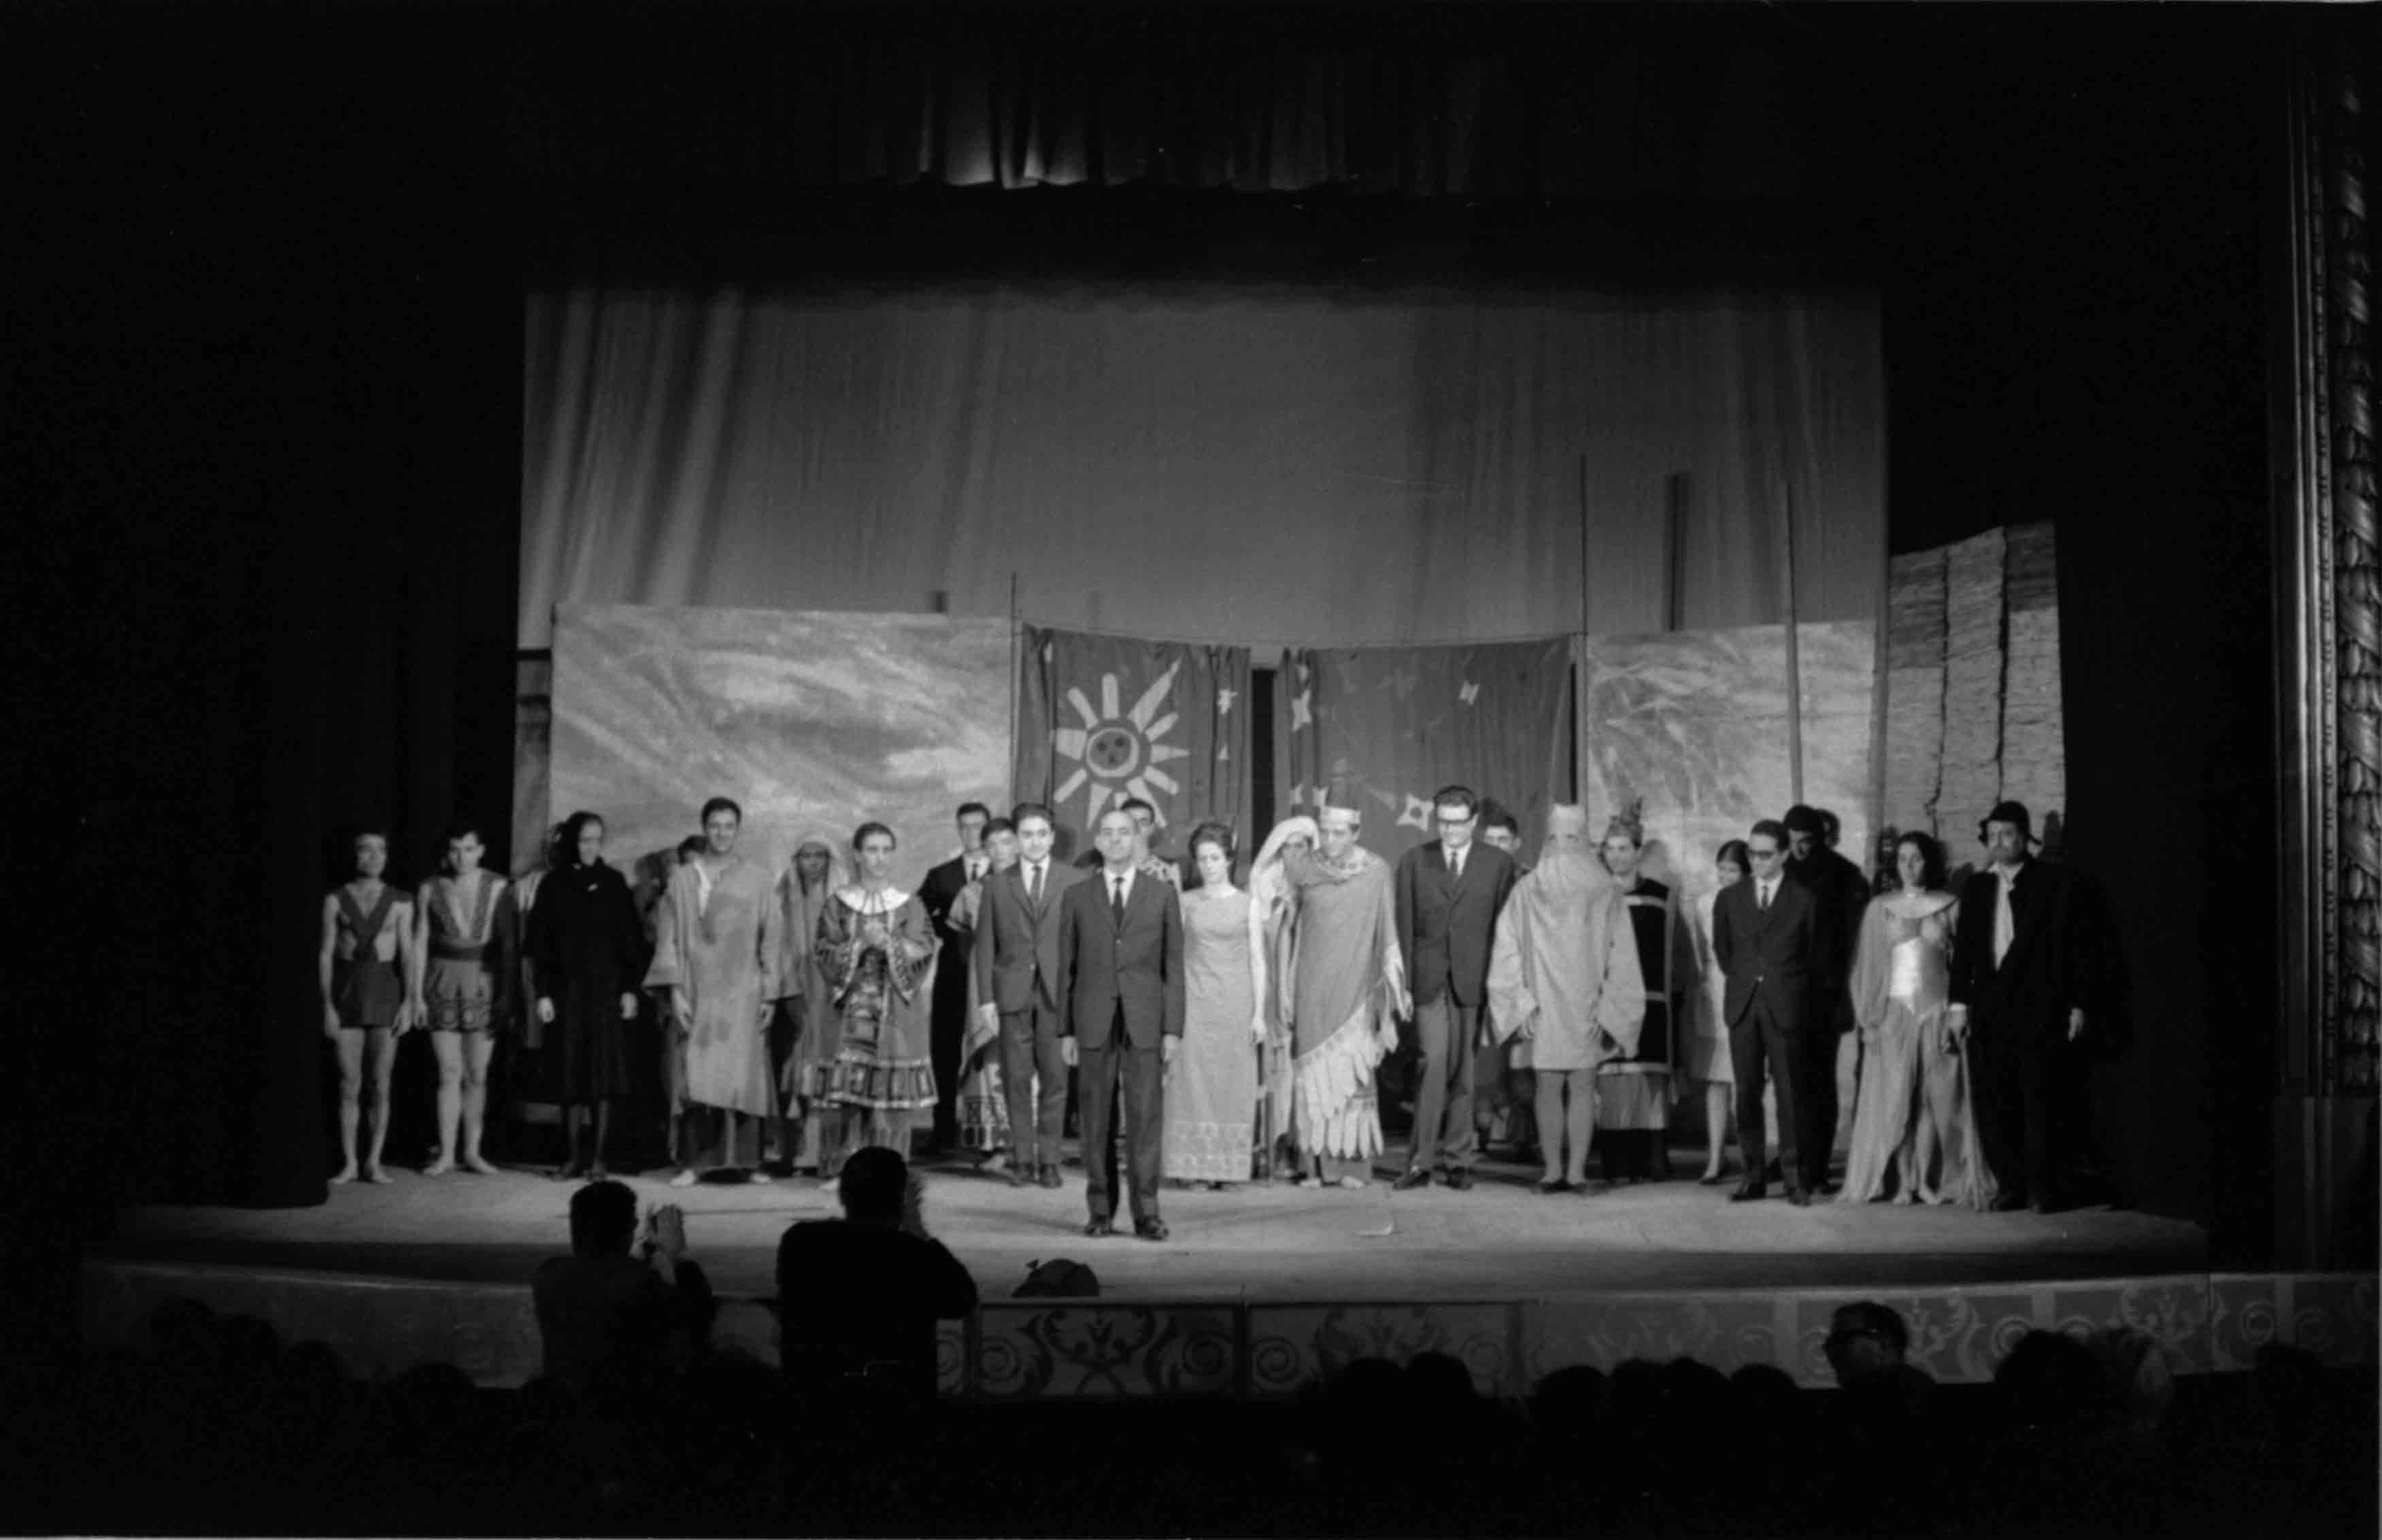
x: 1540, y: 102
x: 266, y: 412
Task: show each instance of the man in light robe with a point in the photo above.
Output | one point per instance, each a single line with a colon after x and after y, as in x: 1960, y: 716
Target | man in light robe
x: 1344, y: 988
x: 1565, y: 987
x: 716, y: 962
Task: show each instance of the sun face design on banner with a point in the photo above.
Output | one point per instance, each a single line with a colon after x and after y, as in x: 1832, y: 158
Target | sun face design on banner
x: 1116, y: 752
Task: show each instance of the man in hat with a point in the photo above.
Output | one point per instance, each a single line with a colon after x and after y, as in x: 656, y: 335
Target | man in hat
x: 2031, y: 987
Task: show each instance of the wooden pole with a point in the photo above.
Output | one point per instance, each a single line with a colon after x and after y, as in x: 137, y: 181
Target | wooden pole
x: 1794, y: 655
x: 1017, y: 641
x: 1675, y: 547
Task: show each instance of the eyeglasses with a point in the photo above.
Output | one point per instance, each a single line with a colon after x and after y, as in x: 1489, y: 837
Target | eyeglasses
x: 1453, y: 823
x: 1764, y: 855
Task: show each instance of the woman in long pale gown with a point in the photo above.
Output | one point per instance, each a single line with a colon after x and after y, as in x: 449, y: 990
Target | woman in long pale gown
x: 1564, y: 977
x: 1914, y: 1131
x: 1270, y: 907
x: 806, y: 1014
x: 983, y: 1104
x: 1211, y: 1086
x: 878, y: 951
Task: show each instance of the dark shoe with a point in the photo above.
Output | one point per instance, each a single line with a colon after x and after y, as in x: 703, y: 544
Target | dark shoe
x: 1551, y: 1188
x: 1052, y: 1178
x: 1100, y: 1228
x: 1799, y: 1196
x: 1460, y: 1179
x: 2008, y: 1203
x: 1017, y: 1175
x: 1713, y: 1180
x: 1150, y: 1230
x: 1749, y: 1192
x: 1410, y: 1179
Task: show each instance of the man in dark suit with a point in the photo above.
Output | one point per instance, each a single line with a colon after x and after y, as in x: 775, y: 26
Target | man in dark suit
x: 1448, y: 895
x: 1022, y: 991
x: 947, y: 1020
x: 1843, y: 895
x: 1764, y: 931
x: 1121, y: 959
x: 2032, y: 967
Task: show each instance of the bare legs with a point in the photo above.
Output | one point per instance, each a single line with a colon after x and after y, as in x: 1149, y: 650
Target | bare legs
x: 462, y: 1100
x: 362, y: 1054
x: 574, y: 1121
x: 1717, y: 1097
x: 1566, y: 1117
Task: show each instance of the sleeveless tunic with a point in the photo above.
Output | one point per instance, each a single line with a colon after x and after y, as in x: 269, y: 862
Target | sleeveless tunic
x: 460, y: 982
x: 365, y: 989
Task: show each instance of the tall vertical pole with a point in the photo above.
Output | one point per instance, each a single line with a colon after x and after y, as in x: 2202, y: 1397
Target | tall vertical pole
x: 1794, y: 654
x: 1675, y: 550
x: 1016, y: 644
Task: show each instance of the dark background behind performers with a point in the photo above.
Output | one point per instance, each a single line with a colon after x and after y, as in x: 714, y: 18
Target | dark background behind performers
x: 265, y: 387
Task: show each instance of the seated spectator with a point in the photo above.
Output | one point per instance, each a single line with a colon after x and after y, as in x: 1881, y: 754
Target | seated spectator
x: 858, y: 1297
x: 602, y: 1310
x: 1865, y: 1347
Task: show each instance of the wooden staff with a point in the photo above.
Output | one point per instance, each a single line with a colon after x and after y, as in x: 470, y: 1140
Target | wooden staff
x: 1794, y: 656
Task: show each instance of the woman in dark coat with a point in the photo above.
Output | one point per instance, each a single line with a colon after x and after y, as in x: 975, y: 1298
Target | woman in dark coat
x: 587, y: 953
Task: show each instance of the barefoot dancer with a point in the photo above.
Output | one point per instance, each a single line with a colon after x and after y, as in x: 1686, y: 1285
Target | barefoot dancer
x: 458, y: 980
x: 365, y: 957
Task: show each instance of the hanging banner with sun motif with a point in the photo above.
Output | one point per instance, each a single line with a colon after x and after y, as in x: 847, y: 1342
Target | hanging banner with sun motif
x: 1382, y: 728
x: 1105, y: 719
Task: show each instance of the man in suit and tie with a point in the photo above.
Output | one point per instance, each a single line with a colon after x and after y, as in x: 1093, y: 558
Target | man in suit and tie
x: 1121, y: 962
x: 1024, y: 993
x: 1448, y: 895
x: 1843, y: 895
x: 1764, y: 934
x: 947, y: 1020
x: 2032, y: 975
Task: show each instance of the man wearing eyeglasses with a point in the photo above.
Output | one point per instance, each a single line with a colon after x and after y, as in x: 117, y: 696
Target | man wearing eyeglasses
x: 1448, y: 895
x: 1763, y: 931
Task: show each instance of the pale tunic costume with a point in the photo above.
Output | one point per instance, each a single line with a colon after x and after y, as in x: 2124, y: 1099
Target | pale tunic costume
x: 1911, y: 1071
x: 983, y: 1101
x: 715, y: 938
x: 1340, y: 990
x: 1270, y: 932
x: 806, y: 1007
x: 878, y: 951
x: 463, y: 981
x: 1564, y: 976
x: 1211, y: 1086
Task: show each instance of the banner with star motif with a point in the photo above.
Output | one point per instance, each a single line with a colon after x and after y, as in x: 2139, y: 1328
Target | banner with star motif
x: 1389, y: 726
x: 1102, y: 719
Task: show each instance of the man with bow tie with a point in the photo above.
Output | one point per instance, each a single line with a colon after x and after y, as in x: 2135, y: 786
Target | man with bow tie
x: 948, y: 1023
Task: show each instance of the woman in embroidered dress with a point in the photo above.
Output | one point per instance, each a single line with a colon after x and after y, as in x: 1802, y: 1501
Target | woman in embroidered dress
x: 1269, y: 932
x: 1212, y: 1087
x: 983, y: 1106
x: 587, y: 954
x: 366, y: 958
x: 457, y: 987
x: 806, y: 1014
x: 878, y: 951
x: 1343, y: 990
x: 1914, y: 1132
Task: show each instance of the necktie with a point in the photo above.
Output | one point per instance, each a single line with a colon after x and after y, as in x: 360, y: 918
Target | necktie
x: 1034, y: 884
x: 1116, y: 899
x: 1765, y: 896
x: 1455, y: 864
x: 2005, y: 921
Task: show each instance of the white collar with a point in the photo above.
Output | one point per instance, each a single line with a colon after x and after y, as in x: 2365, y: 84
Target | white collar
x: 855, y: 896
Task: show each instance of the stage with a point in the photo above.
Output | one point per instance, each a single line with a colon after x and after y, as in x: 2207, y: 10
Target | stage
x: 1259, y: 1288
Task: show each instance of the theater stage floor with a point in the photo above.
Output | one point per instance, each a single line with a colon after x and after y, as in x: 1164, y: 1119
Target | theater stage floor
x: 1500, y: 1239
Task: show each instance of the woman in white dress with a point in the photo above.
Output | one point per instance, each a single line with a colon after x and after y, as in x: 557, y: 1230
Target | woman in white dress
x: 1211, y: 1086
x: 1914, y: 1131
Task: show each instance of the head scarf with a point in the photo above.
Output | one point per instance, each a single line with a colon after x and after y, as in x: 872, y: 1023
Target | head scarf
x: 1568, y: 873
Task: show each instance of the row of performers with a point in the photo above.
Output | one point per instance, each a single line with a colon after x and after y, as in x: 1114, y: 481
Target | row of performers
x: 1569, y: 994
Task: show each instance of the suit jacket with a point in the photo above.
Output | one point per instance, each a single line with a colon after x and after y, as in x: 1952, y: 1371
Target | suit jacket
x: 2059, y: 958
x: 941, y: 889
x: 1017, y: 942
x: 1446, y: 926
x: 1137, y: 964
x: 1766, y: 955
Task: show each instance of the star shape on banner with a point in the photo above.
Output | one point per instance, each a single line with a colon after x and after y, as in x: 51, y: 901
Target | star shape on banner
x: 1225, y: 699
x: 1300, y: 796
x: 1418, y: 813
x: 1470, y: 693
x: 1302, y: 709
